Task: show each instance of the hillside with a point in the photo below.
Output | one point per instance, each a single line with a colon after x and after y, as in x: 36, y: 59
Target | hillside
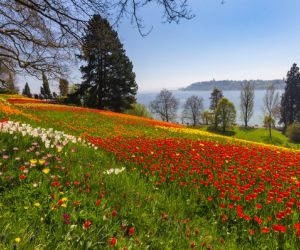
x: 76, y: 178
x: 232, y: 85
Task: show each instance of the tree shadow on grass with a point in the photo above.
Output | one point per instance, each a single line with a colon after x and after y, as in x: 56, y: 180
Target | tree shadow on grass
x: 226, y: 133
x: 249, y: 129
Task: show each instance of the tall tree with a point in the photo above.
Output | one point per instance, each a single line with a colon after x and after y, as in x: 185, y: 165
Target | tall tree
x: 290, y: 100
x: 42, y: 35
x: 4, y: 73
x: 193, y: 108
x: 45, y: 89
x: 271, y: 103
x: 63, y: 86
x: 225, y: 114
x: 215, y: 96
x: 26, y: 91
x: 247, y: 102
x: 10, y: 83
x: 165, y: 105
x: 109, y: 82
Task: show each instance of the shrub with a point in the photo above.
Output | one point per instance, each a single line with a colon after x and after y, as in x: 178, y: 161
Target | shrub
x: 293, y: 132
x: 8, y: 91
x: 138, y: 110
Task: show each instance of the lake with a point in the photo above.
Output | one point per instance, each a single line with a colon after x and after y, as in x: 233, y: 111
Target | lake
x: 145, y: 97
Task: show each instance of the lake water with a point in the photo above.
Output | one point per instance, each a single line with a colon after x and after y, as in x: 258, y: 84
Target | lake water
x: 233, y: 95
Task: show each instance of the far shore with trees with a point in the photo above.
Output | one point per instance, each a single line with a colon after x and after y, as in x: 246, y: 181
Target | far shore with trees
x: 280, y: 113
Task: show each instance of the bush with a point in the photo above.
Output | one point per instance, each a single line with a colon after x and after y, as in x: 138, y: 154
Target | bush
x: 293, y: 132
x: 8, y: 91
x: 138, y: 110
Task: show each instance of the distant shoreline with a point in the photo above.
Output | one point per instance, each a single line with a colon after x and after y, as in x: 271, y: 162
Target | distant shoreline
x: 228, y: 85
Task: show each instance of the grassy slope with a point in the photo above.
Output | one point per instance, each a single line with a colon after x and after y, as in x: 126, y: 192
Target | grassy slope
x: 168, y: 218
x: 259, y: 135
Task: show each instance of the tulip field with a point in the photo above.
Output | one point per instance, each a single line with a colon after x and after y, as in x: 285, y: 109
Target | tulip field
x: 76, y: 178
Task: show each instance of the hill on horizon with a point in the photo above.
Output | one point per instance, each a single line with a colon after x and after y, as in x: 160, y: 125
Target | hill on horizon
x: 233, y: 84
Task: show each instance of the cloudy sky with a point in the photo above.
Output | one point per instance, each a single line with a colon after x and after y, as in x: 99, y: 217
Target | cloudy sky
x: 240, y: 39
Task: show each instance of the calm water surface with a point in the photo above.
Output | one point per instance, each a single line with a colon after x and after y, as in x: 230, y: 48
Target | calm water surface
x: 233, y: 95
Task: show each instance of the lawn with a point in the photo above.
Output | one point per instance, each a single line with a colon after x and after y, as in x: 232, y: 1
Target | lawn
x: 257, y: 135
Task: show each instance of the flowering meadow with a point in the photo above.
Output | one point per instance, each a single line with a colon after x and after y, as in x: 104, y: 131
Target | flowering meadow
x: 76, y: 178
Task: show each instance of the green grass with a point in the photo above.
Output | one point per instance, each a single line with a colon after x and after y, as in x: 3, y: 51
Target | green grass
x: 164, y: 216
x: 260, y: 135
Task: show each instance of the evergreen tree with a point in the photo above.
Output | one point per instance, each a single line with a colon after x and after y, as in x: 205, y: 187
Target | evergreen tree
x: 215, y: 96
x: 109, y: 82
x: 63, y: 87
x: 290, y: 101
x: 45, y: 89
x: 26, y: 91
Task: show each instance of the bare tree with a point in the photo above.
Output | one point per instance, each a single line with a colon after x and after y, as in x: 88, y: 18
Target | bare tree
x: 193, y: 108
x: 165, y: 105
x: 271, y: 103
x: 247, y: 102
x: 42, y: 35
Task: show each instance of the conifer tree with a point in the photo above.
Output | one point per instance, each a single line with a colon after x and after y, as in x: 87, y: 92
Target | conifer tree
x: 109, y: 80
x: 26, y: 91
x: 45, y: 89
x: 63, y: 86
x: 290, y: 101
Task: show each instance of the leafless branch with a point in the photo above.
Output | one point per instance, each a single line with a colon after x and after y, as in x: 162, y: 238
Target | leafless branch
x: 45, y: 35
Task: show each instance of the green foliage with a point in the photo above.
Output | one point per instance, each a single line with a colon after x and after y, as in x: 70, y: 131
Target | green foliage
x: 225, y: 114
x: 139, y: 109
x: 7, y: 91
x: 45, y: 89
x: 269, y: 123
x: 207, y: 117
x: 109, y: 80
x: 26, y: 91
x: 293, y: 132
x: 290, y: 102
x: 63, y: 86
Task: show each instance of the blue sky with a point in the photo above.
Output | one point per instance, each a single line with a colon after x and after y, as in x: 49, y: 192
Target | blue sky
x: 240, y: 39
